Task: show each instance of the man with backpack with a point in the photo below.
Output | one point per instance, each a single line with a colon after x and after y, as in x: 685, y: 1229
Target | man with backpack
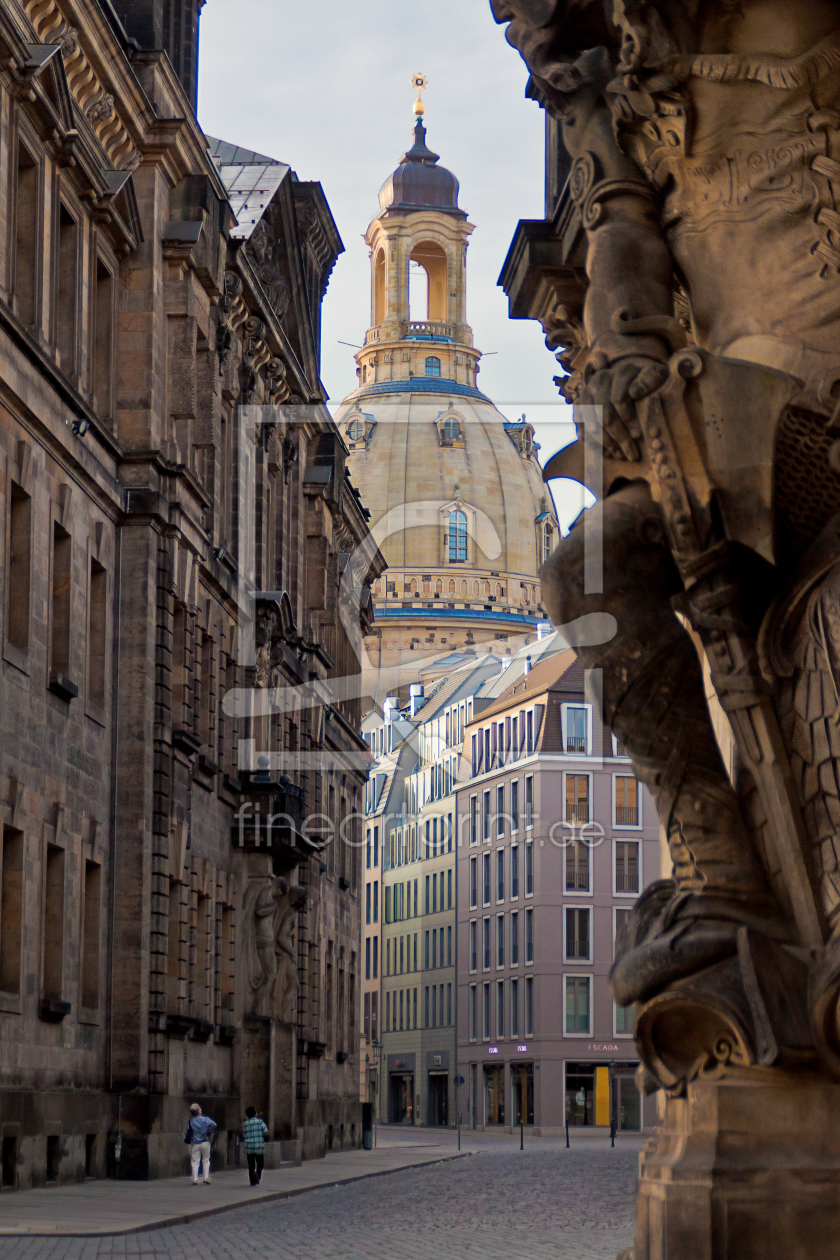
x: 254, y: 1133
x: 199, y: 1131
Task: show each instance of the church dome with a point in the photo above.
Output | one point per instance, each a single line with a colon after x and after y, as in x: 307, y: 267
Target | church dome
x: 419, y: 183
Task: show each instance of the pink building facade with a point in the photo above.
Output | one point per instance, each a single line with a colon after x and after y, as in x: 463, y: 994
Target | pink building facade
x: 557, y: 839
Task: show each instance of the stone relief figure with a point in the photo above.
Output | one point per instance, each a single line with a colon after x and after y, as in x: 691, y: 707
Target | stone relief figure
x: 271, y: 908
x: 704, y: 142
x: 262, y: 250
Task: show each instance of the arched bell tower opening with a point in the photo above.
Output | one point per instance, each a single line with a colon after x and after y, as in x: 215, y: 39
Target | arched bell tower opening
x: 379, y: 288
x: 429, y: 259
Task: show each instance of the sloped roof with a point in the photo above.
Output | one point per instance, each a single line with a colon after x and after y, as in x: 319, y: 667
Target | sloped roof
x: 251, y: 180
x: 541, y: 678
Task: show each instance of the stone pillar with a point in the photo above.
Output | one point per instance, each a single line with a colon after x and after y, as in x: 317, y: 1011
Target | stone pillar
x: 743, y: 1168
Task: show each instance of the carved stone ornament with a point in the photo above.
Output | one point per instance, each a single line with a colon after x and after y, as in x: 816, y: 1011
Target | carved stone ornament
x: 705, y: 177
x: 262, y: 251
x: 102, y: 109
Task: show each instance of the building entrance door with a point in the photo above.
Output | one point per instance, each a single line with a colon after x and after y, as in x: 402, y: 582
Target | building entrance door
x: 494, y: 1095
x: 437, y: 1110
x: 629, y: 1105
x: 402, y: 1098
x: 522, y: 1092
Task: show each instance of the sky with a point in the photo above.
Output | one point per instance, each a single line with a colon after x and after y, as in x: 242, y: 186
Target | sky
x: 326, y: 88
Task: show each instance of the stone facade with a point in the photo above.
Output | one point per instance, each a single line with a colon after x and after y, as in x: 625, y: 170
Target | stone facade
x: 176, y: 519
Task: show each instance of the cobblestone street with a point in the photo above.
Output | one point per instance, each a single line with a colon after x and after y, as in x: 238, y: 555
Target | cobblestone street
x: 546, y: 1203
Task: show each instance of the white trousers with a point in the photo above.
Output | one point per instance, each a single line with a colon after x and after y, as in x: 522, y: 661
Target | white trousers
x: 200, y: 1154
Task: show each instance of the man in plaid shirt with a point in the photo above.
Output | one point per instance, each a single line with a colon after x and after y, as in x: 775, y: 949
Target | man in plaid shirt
x: 254, y: 1133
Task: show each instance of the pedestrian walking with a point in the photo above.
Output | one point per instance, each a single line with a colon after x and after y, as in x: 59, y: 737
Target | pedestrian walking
x: 198, y: 1135
x: 254, y: 1133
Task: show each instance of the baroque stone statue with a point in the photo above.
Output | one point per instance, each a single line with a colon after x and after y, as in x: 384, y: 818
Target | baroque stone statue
x: 704, y: 141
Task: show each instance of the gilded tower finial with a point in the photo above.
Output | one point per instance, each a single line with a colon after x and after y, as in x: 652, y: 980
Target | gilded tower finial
x: 420, y: 82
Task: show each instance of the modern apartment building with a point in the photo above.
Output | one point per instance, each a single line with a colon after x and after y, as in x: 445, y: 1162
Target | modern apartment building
x: 559, y: 839
x: 418, y: 1036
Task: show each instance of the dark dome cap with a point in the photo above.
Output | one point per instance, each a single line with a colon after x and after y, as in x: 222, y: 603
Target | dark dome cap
x: 419, y: 183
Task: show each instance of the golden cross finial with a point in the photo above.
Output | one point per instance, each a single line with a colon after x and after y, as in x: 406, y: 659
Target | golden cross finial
x: 420, y: 82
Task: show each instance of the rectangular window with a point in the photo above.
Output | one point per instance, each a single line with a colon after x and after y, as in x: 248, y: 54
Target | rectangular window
x: 474, y: 758
x: 529, y: 1007
x: 530, y: 739
x: 529, y: 936
x: 577, y: 798
x: 388, y: 900
x: 500, y: 874
x: 473, y: 1012
x: 577, y: 866
x: 500, y: 1008
x: 414, y: 1006
x: 67, y: 291
x: 514, y: 939
x: 529, y: 869
x: 26, y: 238
x: 97, y: 632
x: 514, y: 804
x: 577, y: 1004
x: 19, y: 571
x: 376, y: 901
x: 449, y: 1005
x: 427, y: 1020
x: 434, y: 947
x: 485, y: 806
x: 388, y: 958
x: 402, y: 1008
x: 514, y: 1008
x: 485, y: 1013
x: 473, y: 883
x: 54, y: 923
x: 427, y: 953
x: 428, y: 894
x: 500, y: 940
x: 90, y: 935
x: 622, y: 917
x: 415, y: 951
x: 368, y: 849
x: 574, y: 728
x: 514, y: 872
x: 500, y: 810
x: 449, y: 833
x: 367, y: 958
x: 368, y: 902
x: 529, y: 801
x: 626, y: 866
x: 402, y: 954
x: 11, y: 910
x: 366, y: 1017
x: 486, y: 943
x: 577, y: 933
x: 374, y: 1015
x: 448, y: 946
x: 376, y: 958
x: 449, y: 889
x: 473, y: 820
x: 624, y: 1019
x: 376, y: 846
x: 626, y: 801
x: 473, y: 945
x: 434, y: 894
x: 60, y: 601
x: 485, y: 862
x: 387, y: 1012
x: 103, y: 341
